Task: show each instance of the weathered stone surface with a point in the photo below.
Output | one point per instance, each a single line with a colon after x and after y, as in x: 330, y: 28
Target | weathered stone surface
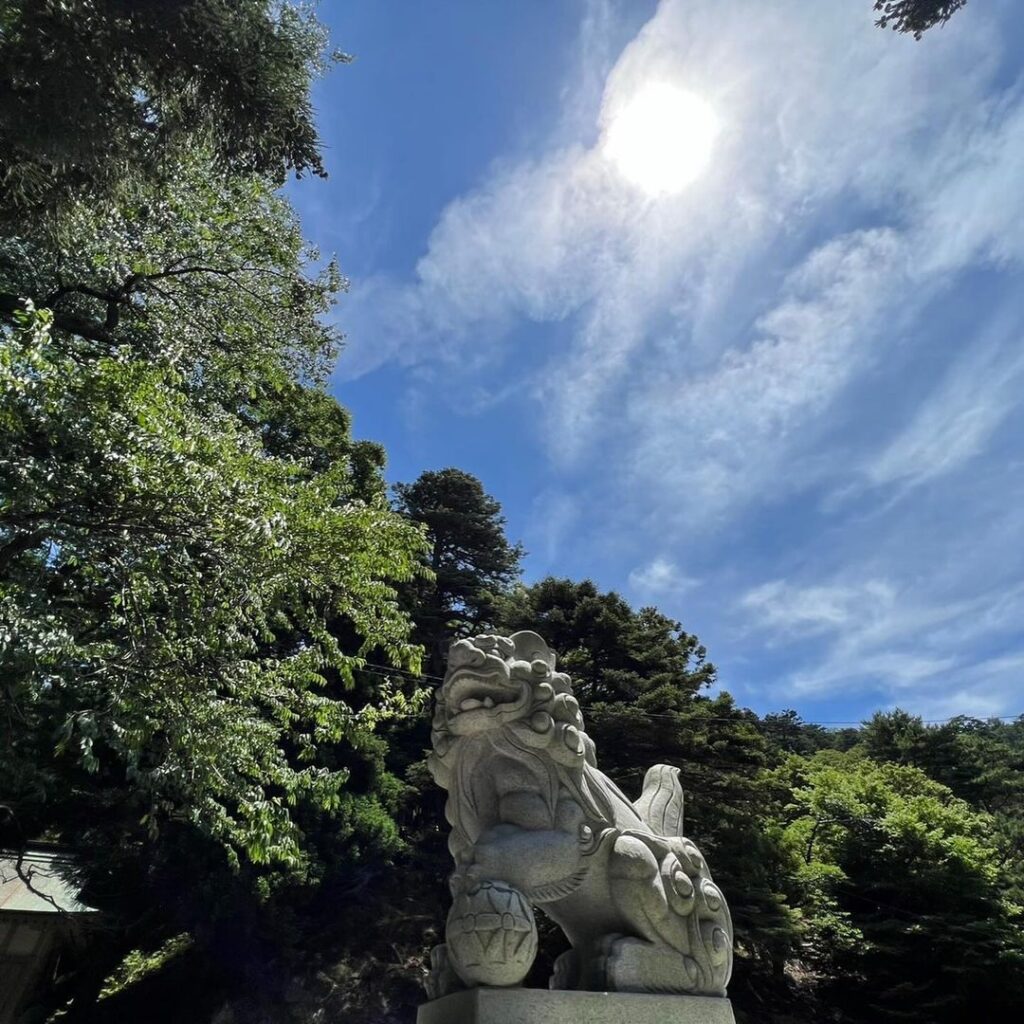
x: 534, y: 822
x: 535, y: 1006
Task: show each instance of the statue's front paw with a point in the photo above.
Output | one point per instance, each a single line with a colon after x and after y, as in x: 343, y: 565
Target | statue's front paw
x: 442, y: 979
x: 492, y: 935
x: 566, y: 973
x: 494, y: 856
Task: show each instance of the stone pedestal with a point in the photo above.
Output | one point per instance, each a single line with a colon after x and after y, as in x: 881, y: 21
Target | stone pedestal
x: 538, y: 1006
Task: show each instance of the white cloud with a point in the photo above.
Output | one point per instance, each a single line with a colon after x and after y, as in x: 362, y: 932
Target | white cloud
x: 702, y: 347
x: 552, y: 516
x: 741, y: 417
x: 917, y: 645
x: 792, y: 610
x: 990, y: 687
x: 660, y: 578
x: 955, y: 423
x: 741, y: 382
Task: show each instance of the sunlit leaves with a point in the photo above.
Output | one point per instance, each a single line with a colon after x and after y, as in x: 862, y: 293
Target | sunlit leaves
x: 171, y: 570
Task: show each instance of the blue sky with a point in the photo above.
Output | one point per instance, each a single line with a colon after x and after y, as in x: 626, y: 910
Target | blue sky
x: 783, y: 403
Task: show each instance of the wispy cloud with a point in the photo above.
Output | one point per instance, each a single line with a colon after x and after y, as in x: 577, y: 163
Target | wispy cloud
x: 563, y: 235
x: 742, y: 417
x: 790, y: 610
x: 871, y: 637
x: 553, y: 514
x: 955, y: 423
x: 711, y: 359
x: 660, y: 578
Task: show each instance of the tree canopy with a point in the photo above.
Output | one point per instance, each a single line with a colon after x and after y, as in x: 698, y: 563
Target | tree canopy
x: 97, y: 93
x: 195, y: 555
x: 900, y: 884
x: 471, y: 561
x: 915, y: 16
x: 611, y: 651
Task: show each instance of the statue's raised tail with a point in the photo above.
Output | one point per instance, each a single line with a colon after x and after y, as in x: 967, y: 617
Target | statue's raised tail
x: 661, y: 802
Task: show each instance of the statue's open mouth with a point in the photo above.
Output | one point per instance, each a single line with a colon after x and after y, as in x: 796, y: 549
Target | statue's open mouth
x: 467, y: 691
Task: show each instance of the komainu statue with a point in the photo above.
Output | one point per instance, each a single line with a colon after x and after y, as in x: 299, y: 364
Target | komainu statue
x: 535, y: 824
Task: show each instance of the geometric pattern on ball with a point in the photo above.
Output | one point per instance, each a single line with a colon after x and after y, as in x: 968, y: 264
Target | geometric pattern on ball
x: 492, y: 934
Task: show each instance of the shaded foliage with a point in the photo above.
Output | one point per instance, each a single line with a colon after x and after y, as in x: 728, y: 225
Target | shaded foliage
x: 195, y: 556
x: 94, y: 93
x: 915, y: 16
x: 612, y: 652
x: 470, y: 560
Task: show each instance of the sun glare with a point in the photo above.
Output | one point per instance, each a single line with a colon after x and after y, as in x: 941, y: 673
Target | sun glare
x: 661, y: 140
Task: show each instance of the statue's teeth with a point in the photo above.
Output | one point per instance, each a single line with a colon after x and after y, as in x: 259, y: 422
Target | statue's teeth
x: 488, y: 702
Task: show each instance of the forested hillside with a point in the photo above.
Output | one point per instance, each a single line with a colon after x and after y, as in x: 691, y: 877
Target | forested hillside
x: 220, y: 629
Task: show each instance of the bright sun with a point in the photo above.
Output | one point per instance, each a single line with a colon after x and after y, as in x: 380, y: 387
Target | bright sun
x: 661, y: 140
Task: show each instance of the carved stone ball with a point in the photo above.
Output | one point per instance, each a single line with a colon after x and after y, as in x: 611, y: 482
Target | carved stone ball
x: 491, y: 935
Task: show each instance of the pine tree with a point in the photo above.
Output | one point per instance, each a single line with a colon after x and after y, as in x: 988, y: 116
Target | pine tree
x: 470, y: 559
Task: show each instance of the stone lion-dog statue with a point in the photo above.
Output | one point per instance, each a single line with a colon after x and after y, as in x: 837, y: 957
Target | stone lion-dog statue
x: 535, y: 823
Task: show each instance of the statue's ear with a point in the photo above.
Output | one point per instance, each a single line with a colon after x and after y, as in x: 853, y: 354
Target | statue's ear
x: 530, y: 646
x: 441, y: 773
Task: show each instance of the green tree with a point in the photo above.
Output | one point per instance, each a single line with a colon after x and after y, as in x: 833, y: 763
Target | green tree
x: 612, y: 652
x: 900, y: 886
x: 470, y: 559
x: 903, y: 738
x: 786, y: 733
x: 181, y: 510
x: 915, y: 16
x: 982, y: 762
x: 195, y: 556
x: 96, y: 92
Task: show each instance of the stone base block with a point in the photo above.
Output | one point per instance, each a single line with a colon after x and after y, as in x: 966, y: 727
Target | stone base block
x: 537, y: 1006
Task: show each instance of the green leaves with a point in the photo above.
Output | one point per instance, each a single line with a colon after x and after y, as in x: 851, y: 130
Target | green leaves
x: 97, y: 95
x: 898, y: 882
x: 177, y: 552
x: 196, y: 558
x: 469, y: 558
x: 612, y: 652
x: 915, y: 16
